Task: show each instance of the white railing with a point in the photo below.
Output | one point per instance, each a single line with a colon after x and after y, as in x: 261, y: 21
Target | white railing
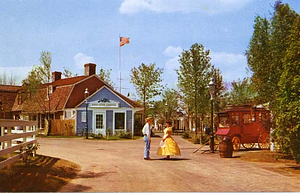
x: 16, y: 136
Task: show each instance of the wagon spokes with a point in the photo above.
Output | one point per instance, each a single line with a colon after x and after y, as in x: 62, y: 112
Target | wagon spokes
x: 236, y: 141
x: 264, y: 141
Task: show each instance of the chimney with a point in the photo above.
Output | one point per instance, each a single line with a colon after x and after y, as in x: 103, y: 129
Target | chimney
x: 89, y: 69
x: 56, y: 76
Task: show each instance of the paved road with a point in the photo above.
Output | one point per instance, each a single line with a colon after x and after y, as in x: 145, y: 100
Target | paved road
x: 119, y: 166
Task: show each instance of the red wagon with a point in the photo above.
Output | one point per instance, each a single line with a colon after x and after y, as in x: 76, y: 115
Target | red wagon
x: 245, y: 125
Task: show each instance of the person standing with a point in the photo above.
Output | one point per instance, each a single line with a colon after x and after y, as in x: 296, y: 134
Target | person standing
x: 168, y: 146
x: 147, y: 138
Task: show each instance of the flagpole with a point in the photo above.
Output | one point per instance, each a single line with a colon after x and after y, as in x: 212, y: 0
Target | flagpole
x: 120, y: 65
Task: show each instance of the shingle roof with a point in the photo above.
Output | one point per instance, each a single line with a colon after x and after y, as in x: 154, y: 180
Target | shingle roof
x: 9, y: 88
x: 67, y: 81
x: 68, y: 93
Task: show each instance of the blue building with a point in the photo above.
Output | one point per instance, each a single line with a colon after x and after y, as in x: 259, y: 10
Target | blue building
x: 108, y: 112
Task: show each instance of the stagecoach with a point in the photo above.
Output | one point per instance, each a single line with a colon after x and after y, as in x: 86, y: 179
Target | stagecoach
x: 245, y: 125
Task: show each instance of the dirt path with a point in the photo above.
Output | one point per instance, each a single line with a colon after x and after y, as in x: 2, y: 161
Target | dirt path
x: 119, y: 166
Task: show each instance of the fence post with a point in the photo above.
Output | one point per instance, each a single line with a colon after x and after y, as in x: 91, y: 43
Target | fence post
x: 9, y: 142
x: 34, y: 128
x: 1, y: 133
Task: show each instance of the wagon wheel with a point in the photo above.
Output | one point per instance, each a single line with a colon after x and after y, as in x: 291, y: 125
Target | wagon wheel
x: 236, y: 142
x: 248, y: 145
x: 264, y: 141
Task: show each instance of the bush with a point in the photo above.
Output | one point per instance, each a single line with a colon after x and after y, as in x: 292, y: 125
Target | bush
x: 124, y: 135
x: 97, y: 136
x: 205, y: 139
x: 196, y: 139
x: 186, y: 135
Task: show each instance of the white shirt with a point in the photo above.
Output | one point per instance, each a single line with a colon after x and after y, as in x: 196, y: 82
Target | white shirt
x: 146, y: 130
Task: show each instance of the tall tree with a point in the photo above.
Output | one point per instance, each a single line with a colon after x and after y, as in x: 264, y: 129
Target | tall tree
x: 193, y: 77
x: 287, y: 129
x: 146, y: 80
x: 68, y: 73
x: 105, y: 76
x: 38, y: 76
x: 260, y: 59
x: 220, y: 90
x: 12, y: 79
x: 170, y: 98
x: 273, y: 58
x: 242, y: 92
x: 267, y: 49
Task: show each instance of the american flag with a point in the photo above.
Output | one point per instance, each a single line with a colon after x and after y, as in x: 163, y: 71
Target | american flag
x: 123, y: 41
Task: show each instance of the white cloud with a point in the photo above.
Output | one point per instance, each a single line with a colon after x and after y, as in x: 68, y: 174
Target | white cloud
x: 232, y: 66
x: 165, y: 6
x: 172, y: 51
x: 80, y: 59
x: 172, y: 63
x: 19, y: 73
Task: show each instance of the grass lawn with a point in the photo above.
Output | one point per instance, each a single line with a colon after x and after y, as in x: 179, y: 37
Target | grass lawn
x: 40, y: 174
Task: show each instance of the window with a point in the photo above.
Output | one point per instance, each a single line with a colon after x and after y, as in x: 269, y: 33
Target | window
x: 223, y: 120
x: 50, y: 89
x: 67, y: 114
x: 119, y: 120
x: 235, y: 119
x: 262, y: 117
x: 246, y: 118
x: 253, y: 117
x: 99, y: 121
x: 83, y: 116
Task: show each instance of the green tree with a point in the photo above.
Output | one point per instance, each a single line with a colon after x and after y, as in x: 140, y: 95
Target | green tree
x: 67, y: 73
x: 105, y: 76
x: 193, y: 77
x: 267, y: 49
x: 146, y: 80
x: 220, y: 91
x: 272, y: 57
x: 170, y: 99
x: 36, y: 83
x: 242, y: 92
x: 287, y: 129
x: 260, y: 60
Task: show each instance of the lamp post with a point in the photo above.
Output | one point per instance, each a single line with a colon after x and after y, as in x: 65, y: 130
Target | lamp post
x: 166, y: 112
x: 86, y: 94
x: 211, y: 86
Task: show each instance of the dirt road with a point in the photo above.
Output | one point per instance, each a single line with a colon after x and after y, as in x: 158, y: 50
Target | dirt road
x: 119, y: 166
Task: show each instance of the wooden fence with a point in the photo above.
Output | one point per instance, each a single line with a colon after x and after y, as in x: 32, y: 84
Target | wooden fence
x: 15, y: 137
x: 62, y: 127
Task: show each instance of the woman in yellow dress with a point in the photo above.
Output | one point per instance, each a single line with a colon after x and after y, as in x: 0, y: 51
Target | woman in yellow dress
x: 168, y: 146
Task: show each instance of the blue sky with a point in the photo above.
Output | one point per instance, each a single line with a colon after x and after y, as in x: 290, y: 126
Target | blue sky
x: 81, y: 31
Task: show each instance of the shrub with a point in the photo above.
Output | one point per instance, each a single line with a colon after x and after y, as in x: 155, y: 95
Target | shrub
x: 97, y: 136
x: 186, y: 135
x: 124, y: 135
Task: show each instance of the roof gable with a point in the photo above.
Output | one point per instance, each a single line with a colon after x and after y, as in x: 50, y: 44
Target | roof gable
x: 106, y: 93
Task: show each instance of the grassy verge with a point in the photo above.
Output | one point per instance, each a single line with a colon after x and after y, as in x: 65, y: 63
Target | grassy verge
x: 40, y: 174
x: 273, y: 157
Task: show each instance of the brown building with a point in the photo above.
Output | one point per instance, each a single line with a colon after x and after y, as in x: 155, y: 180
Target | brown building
x: 8, y: 95
x: 66, y: 99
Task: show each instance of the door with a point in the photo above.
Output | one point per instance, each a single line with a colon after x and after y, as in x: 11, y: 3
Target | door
x: 99, y: 123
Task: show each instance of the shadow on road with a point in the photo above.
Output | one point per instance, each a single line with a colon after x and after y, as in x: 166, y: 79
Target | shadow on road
x: 172, y: 159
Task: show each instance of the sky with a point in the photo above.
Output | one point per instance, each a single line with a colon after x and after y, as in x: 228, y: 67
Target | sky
x: 83, y: 31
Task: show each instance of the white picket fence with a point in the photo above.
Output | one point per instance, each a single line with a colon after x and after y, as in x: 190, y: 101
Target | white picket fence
x: 16, y: 135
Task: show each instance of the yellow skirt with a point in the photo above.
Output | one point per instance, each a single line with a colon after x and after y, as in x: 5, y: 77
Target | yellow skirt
x: 170, y: 147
